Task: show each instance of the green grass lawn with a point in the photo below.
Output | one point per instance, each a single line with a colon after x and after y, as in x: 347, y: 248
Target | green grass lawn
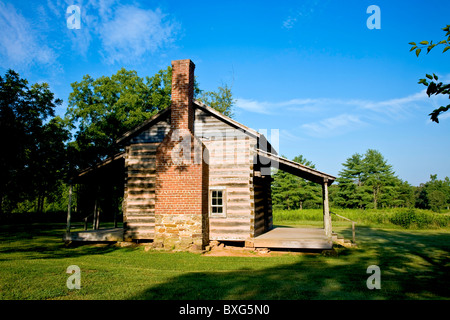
x: 414, y: 264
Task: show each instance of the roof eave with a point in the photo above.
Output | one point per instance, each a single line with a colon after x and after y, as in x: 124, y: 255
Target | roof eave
x: 136, y: 130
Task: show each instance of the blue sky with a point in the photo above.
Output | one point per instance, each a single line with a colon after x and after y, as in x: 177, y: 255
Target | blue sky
x: 311, y: 69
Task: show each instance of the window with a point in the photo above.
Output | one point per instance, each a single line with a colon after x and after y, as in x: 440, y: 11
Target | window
x: 217, y: 202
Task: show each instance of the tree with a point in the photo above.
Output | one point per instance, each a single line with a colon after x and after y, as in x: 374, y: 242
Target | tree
x: 377, y: 174
x: 24, y: 133
x: 105, y: 108
x: 49, y: 166
x: 434, y: 88
x: 284, y: 190
x: 437, y: 200
x: 369, y: 181
x: 434, y: 194
x: 405, y: 194
x: 292, y: 192
x: 102, y: 110
x: 310, y: 193
x: 222, y: 100
x: 352, y: 193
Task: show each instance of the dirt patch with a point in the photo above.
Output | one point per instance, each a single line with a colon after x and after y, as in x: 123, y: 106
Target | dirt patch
x: 223, y: 250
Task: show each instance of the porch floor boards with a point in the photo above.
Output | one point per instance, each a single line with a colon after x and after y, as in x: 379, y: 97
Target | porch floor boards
x: 294, y: 238
x: 279, y: 237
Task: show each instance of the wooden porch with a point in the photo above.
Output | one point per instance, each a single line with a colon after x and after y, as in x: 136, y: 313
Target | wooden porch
x: 294, y: 238
x: 98, y: 235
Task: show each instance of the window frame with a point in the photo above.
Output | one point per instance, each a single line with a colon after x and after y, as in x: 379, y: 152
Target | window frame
x: 222, y: 214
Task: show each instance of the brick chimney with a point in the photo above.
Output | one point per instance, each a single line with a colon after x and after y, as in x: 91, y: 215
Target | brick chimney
x: 181, y: 189
x: 182, y: 113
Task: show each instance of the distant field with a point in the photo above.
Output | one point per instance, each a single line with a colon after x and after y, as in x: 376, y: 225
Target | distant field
x: 387, y: 218
x: 414, y: 264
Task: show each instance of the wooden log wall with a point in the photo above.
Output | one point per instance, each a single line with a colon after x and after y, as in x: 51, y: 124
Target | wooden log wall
x: 139, y: 193
x: 231, y: 153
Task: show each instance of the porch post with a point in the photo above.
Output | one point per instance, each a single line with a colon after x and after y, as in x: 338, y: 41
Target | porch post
x: 326, y: 209
x: 69, y: 208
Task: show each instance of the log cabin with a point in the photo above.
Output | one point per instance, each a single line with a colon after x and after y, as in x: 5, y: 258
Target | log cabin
x: 192, y: 175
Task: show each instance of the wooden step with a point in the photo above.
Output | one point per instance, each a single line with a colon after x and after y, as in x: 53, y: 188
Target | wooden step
x: 342, y: 241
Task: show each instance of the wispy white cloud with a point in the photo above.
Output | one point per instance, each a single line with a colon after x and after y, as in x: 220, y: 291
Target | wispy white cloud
x: 133, y: 32
x: 340, y: 124
x: 289, y: 22
x: 324, y: 117
x: 397, y: 107
x: 20, y: 43
x: 444, y: 116
x: 118, y: 33
x: 265, y: 107
x: 125, y: 33
x: 253, y: 106
x: 305, y: 10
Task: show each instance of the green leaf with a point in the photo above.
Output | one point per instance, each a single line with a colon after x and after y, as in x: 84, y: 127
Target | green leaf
x: 446, y: 48
x: 435, y: 77
x: 412, y: 43
x: 418, y: 52
x: 423, y: 42
x: 432, y: 88
x: 424, y: 81
x: 429, y: 76
x: 412, y: 48
x: 442, y: 42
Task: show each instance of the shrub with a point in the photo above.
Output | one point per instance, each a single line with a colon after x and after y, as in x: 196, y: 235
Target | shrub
x: 403, y: 218
x: 421, y: 220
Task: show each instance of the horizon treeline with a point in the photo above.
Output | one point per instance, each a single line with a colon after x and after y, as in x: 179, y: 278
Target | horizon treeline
x: 366, y: 181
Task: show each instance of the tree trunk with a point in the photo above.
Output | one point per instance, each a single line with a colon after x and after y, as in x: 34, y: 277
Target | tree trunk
x: 38, y: 205
x: 375, y: 196
x: 41, y: 209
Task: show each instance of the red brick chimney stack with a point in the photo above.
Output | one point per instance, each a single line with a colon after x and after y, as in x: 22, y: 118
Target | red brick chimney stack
x: 181, y: 184
x: 182, y: 114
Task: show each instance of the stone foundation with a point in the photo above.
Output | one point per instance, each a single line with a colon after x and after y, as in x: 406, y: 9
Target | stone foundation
x: 179, y: 231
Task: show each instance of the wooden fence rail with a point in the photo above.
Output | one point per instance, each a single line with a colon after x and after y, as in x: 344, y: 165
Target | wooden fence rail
x: 353, y: 225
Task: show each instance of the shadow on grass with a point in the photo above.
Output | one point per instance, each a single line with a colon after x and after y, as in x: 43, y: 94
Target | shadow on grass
x: 414, y: 265
x: 42, y: 241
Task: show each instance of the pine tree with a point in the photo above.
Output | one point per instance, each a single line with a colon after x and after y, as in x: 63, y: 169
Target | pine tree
x: 369, y: 181
x: 291, y: 192
x: 352, y: 192
x: 377, y: 174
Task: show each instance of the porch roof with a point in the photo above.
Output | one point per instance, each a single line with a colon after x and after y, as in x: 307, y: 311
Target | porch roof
x: 106, y: 168
x: 295, y: 168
